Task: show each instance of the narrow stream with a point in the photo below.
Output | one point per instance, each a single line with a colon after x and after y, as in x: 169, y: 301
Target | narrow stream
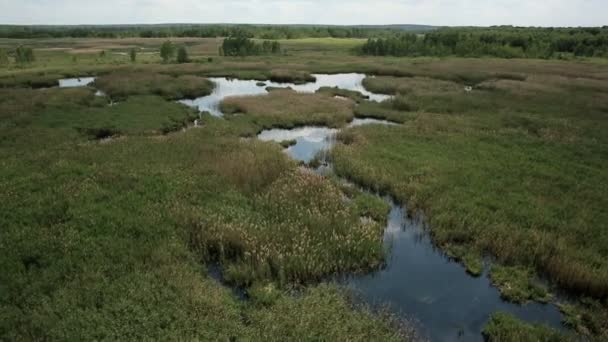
x: 419, y: 282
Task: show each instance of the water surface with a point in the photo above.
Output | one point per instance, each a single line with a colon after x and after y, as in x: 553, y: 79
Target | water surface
x: 225, y: 87
x: 370, y: 121
x: 420, y: 282
x: 309, y: 140
x: 76, y: 82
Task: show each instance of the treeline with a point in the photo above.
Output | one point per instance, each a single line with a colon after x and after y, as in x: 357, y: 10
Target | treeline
x: 503, y: 42
x: 243, y: 46
x: 204, y: 31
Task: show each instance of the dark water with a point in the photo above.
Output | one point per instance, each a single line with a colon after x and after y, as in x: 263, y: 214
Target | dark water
x: 76, y: 82
x: 419, y: 282
x: 225, y: 87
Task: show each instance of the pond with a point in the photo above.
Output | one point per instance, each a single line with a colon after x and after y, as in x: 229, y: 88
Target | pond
x: 225, y: 87
x: 419, y: 281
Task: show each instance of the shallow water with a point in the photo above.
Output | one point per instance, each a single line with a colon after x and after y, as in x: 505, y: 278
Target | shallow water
x: 76, y: 82
x: 312, y: 140
x: 419, y: 282
x: 225, y: 87
x: 370, y: 121
x: 309, y: 140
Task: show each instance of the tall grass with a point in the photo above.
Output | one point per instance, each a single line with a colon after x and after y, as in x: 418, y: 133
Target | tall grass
x: 288, y: 109
x: 505, y: 328
x: 121, y: 85
x: 495, y: 172
x: 104, y: 241
x: 297, y: 230
x: 96, y: 237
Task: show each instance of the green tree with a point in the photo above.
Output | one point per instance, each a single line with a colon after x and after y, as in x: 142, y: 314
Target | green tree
x: 182, y: 55
x: 24, y: 55
x: 167, y: 50
x: 133, y: 55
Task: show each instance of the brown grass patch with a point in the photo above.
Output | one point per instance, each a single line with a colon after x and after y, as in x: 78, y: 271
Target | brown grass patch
x: 286, y: 108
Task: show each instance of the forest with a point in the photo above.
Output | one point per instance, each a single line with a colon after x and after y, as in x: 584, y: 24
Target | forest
x: 502, y: 42
x: 243, y: 46
x: 205, y: 31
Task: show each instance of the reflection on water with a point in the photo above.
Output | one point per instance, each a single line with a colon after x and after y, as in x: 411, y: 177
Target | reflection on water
x: 76, y: 82
x: 420, y: 282
x: 309, y: 140
x: 225, y: 87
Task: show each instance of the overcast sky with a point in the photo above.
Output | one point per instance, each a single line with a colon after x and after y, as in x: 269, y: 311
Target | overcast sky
x: 340, y: 12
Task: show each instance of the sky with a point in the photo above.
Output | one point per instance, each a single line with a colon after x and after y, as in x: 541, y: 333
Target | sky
x: 338, y: 12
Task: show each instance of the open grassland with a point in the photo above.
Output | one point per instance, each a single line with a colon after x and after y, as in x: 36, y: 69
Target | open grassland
x: 108, y: 239
x: 105, y: 240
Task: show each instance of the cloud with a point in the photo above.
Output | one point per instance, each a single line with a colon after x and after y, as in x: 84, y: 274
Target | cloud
x: 432, y: 12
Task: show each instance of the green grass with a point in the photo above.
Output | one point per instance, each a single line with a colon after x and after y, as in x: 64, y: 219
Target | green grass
x: 516, y: 285
x: 505, y: 328
x: 348, y: 94
x: 288, y: 109
x: 290, y: 76
x: 322, y: 307
x: 103, y: 241
x: 80, y: 110
x: 121, y: 85
x: 109, y: 241
x: 295, y: 231
x: 587, y: 317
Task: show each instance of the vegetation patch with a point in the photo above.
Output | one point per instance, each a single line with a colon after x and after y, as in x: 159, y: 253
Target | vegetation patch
x: 120, y: 85
x: 516, y: 284
x: 288, y: 143
x: 506, y: 328
x: 405, y: 85
x: 285, y: 108
x: 588, y: 317
x: 323, y: 314
x: 296, y: 231
x: 383, y: 111
x: 343, y: 93
x: 290, y: 76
